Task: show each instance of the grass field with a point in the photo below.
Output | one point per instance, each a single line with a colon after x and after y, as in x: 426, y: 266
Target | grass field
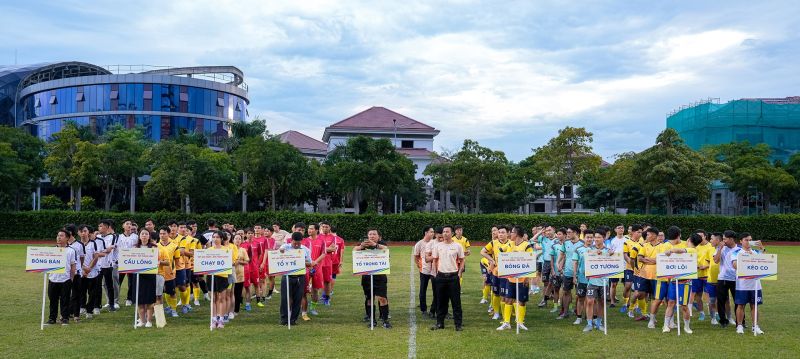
x: 339, y: 333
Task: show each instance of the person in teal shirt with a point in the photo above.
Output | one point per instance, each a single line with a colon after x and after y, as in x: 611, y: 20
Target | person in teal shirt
x: 579, y: 258
x: 594, y: 289
x: 567, y: 265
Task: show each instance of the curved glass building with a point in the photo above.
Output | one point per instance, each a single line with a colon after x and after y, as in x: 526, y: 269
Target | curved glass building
x: 162, y: 101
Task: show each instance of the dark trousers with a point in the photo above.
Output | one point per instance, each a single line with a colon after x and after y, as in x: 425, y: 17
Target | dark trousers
x: 424, y: 279
x: 237, y: 296
x: 435, y: 301
x: 59, y: 295
x: 95, y: 289
x: 76, y: 300
x: 726, y: 289
x: 83, y: 301
x: 131, y: 285
x: 108, y: 280
x: 297, y: 284
x: 449, y: 290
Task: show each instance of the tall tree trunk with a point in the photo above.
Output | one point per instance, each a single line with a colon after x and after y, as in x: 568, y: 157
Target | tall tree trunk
x: 647, y: 204
x: 571, y: 198
x: 478, y: 200
x: 766, y: 203
x: 186, y: 204
x: 669, y: 204
x: 133, y: 194
x: 272, y: 191
x: 357, y: 201
x: 78, y: 199
x: 107, y: 197
x: 558, y: 201
x: 244, y: 192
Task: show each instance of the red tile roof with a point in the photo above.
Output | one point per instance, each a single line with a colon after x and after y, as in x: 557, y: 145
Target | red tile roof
x: 415, y: 152
x: 380, y: 118
x: 302, y: 141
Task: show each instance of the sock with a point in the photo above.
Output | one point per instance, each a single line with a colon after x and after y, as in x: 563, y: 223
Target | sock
x: 312, y: 306
x: 686, y: 323
x: 172, y: 301
x: 598, y: 322
x: 496, y: 303
x: 384, y: 312
x: 460, y: 281
x: 197, y: 293
x: 653, y: 319
x: 486, y: 291
x: 507, y: 313
x: 366, y: 308
x: 667, y: 320
x: 270, y: 293
x: 642, y: 305
x: 625, y: 301
x: 521, y: 314
x: 185, y: 297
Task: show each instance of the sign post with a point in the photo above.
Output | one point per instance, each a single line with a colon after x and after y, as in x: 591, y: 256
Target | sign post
x: 516, y: 265
x: 211, y: 262
x: 138, y: 261
x: 760, y: 267
x: 604, y: 266
x: 291, y: 262
x: 677, y: 266
x: 45, y: 260
x: 370, y: 262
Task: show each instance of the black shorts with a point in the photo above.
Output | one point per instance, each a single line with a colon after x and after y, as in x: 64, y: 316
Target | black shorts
x: 546, y: 271
x: 539, y: 268
x: 613, y: 280
x: 555, y: 280
x: 581, y: 290
x: 594, y: 291
x: 169, y: 286
x: 628, y: 277
x: 567, y: 283
x: 220, y: 284
x: 379, y: 285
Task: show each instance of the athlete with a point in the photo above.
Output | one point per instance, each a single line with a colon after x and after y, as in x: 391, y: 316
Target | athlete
x: 516, y: 288
x: 713, y: 273
x: 579, y: 277
x: 379, y: 282
x: 628, y: 248
x: 704, y: 257
x: 679, y: 295
x: 594, y: 289
x: 331, y: 249
x: 566, y: 266
x: 748, y: 291
x: 491, y: 252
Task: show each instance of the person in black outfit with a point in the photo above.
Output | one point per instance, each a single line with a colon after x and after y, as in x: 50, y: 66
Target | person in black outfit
x: 296, y: 283
x: 448, y: 265
x: 379, y: 281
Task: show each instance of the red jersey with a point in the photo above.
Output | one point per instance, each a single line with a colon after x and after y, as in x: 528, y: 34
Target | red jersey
x: 257, y: 244
x: 328, y: 239
x: 337, y: 259
x: 248, y: 248
x: 317, y: 246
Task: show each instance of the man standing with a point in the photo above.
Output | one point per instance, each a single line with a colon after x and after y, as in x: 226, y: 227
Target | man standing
x: 429, y: 249
x: 269, y: 244
x: 645, y: 279
x: 713, y: 274
x: 327, y: 264
x: 423, y: 266
x: 127, y: 239
x: 748, y: 291
x: 679, y: 295
x: 516, y: 299
x: 314, y: 277
x: 566, y: 266
x: 629, y: 250
x: 594, y: 288
x: 616, y: 246
x: 379, y: 281
x: 464, y: 242
x: 579, y: 277
x: 295, y: 285
x: 257, y: 246
x: 448, y: 263
x: 704, y: 257
x: 336, y: 265
x: 491, y: 252
x: 107, y: 263
x: 726, y: 281
x: 183, y: 257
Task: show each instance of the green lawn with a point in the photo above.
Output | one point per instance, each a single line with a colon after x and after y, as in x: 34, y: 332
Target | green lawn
x: 338, y: 330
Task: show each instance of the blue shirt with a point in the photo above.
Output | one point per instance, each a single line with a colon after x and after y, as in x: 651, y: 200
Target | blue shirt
x: 569, y: 251
x: 539, y: 253
x: 580, y: 257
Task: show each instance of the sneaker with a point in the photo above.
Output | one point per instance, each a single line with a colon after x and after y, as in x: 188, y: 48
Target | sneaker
x: 555, y: 309
x: 96, y: 311
x: 687, y: 330
x: 437, y: 327
x: 757, y: 330
x: 504, y: 326
x: 196, y: 302
x: 226, y: 319
x: 490, y: 310
x: 260, y: 304
x: 206, y: 296
x: 174, y: 313
x: 185, y: 309
x: 139, y: 324
x: 739, y: 329
x: 641, y: 319
x: 232, y: 315
x: 387, y: 325
x: 714, y: 321
x: 623, y: 309
x: 88, y: 315
x: 577, y: 321
x: 220, y: 324
x: 651, y: 325
x: 83, y: 311
x: 542, y: 304
x: 588, y: 327
x: 665, y: 329
x: 269, y: 297
x: 277, y: 291
x: 313, y: 312
x: 522, y: 326
x: 562, y: 316
x: 148, y: 325
x: 116, y: 306
x: 701, y: 317
x: 50, y: 322
x: 484, y: 301
x: 496, y: 316
x: 306, y: 318
x: 105, y: 306
x: 64, y: 322
x: 247, y: 307
x: 128, y: 303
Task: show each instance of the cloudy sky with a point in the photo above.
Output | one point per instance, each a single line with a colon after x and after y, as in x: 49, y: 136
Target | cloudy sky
x: 508, y: 74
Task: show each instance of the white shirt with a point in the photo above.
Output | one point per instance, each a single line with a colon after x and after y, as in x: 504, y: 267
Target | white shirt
x: 741, y: 283
x: 616, y: 244
x: 726, y: 270
x: 420, y: 249
x: 72, y: 260
x: 87, y: 260
x: 81, y: 252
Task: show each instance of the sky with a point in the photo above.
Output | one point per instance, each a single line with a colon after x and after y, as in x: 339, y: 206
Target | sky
x: 507, y: 74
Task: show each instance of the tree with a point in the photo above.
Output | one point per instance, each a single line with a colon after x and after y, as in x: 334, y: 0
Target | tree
x: 477, y: 170
x: 121, y: 154
x: 241, y: 131
x: 751, y: 171
x: 673, y: 168
x: 22, y: 163
x: 564, y: 160
x: 369, y: 167
x: 185, y: 176
x: 72, y: 161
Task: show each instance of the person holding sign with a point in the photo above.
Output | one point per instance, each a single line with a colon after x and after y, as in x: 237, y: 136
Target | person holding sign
x: 448, y: 262
x: 293, y: 285
x: 490, y: 252
x: 59, y: 284
x: 517, y: 289
x: 219, y: 285
x: 748, y: 291
x: 579, y: 258
x: 379, y: 281
x: 679, y: 295
x: 595, y: 286
x: 165, y: 279
x: 146, y: 283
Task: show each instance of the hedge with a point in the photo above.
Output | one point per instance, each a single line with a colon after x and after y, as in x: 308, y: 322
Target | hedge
x: 401, y: 227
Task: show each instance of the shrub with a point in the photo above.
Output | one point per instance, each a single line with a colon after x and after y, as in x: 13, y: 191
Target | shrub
x: 402, y: 227
x: 52, y: 201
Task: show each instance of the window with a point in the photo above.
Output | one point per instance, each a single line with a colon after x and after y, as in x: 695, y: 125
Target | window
x: 53, y: 100
x: 114, y: 95
x: 184, y: 97
x: 406, y: 144
x: 79, y: 97
x: 147, y: 95
x: 38, y: 102
x: 220, y: 102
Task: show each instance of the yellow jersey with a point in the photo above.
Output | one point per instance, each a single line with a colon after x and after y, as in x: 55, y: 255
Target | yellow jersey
x: 191, y: 245
x: 464, y: 242
x: 167, y: 252
x: 648, y: 271
x: 631, y: 248
x: 525, y: 246
x: 493, y: 248
x: 180, y: 240
x: 704, y: 256
x: 713, y: 268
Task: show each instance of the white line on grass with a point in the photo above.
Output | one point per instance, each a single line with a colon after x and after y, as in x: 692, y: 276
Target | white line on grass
x: 412, y: 314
